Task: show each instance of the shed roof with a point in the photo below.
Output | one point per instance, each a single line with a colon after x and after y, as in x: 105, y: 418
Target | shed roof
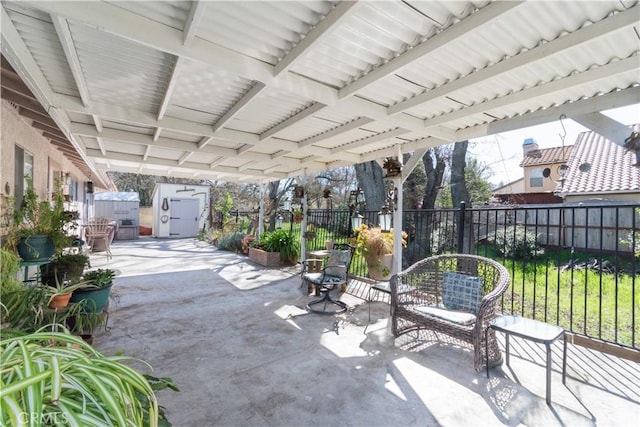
x: 240, y: 90
x: 119, y: 196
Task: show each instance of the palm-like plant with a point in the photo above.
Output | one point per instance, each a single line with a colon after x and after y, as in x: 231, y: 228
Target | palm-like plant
x: 54, y: 378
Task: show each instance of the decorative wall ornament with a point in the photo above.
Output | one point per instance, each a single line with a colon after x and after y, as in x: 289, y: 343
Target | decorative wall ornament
x: 392, y: 166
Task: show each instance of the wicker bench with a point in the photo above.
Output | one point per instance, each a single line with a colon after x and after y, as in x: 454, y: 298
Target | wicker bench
x: 454, y: 295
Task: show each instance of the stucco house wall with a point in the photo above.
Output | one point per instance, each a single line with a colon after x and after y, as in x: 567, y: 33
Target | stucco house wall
x: 47, y: 160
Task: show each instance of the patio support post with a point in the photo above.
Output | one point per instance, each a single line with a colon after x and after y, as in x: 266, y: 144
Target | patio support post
x: 261, y: 211
x: 303, y: 224
x: 397, y: 220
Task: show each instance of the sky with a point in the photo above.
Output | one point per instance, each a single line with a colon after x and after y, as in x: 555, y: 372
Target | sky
x: 502, y: 152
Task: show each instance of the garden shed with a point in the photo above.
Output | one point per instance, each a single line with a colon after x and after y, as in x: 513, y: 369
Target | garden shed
x: 179, y: 210
x: 121, y: 207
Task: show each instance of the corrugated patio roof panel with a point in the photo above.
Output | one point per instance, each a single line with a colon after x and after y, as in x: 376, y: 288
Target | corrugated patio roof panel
x: 260, y: 30
x: 268, y: 109
x: 41, y: 39
x: 203, y: 93
x: 171, y: 13
x: 122, y: 72
x: 325, y: 73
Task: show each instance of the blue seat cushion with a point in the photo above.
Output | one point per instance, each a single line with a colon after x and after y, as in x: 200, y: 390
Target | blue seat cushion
x: 461, y: 292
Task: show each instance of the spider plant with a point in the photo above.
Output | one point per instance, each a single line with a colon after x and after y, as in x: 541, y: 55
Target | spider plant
x: 54, y: 378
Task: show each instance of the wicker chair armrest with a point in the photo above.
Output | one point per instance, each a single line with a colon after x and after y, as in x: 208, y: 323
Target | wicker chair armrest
x: 486, y: 309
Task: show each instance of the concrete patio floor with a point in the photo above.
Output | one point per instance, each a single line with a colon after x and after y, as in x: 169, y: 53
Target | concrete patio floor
x: 237, y: 341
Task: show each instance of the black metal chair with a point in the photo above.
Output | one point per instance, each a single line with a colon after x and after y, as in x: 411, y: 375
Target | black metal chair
x: 333, y: 274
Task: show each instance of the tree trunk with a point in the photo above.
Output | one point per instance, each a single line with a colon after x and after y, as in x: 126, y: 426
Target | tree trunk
x: 370, y: 178
x: 459, y: 193
x: 434, y: 163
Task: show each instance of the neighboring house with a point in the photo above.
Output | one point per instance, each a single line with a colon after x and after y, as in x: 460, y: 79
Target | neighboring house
x: 543, y: 170
x: 599, y: 169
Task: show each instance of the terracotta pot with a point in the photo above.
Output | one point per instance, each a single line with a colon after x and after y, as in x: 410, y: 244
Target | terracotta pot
x: 60, y: 301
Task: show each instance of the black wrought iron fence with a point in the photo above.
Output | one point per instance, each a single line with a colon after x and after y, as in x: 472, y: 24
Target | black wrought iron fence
x: 571, y: 265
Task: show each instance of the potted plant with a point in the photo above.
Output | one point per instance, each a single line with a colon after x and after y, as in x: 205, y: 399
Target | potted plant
x: 258, y: 253
x: 26, y: 310
x: 65, y: 266
x: 60, y: 293
x: 54, y: 378
x: 297, y: 215
x: 96, y: 294
x: 377, y: 249
x: 37, y: 227
x: 275, y: 248
x: 284, y: 243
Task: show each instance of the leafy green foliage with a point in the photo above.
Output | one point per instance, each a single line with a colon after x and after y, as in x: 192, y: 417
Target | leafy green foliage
x: 281, y: 241
x: 517, y: 242
x: 100, y: 278
x: 224, y: 205
x: 231, y: 241
x: 40, y: 217
x: 55, y: 378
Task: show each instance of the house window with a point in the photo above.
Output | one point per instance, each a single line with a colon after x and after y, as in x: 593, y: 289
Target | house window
x: 535, y: 178
x: 23, y: 166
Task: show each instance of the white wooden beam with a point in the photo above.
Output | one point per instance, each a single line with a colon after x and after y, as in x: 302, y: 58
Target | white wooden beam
x: 611, y: 129
x: 412, y: 162
x: 115, y: 20
x: 103, y: 150
x: 156, y: 133
x: 193, y: 20
x: 170, y: 87
x: 593, y: 74
x: 354, y: 124
x: 64, y: 35
x: 238, y: 106
x: 583, y: 35
x: 482, y: 17
x: 147, y: 151
x: 369, y: 140
x: 184, y: 157
x: 309, y: 111
x: 614, y: 99
x: 317, y: 33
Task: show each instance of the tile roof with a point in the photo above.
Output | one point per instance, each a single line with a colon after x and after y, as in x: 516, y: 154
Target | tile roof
x: 597, y: 165
x: 547, y: 156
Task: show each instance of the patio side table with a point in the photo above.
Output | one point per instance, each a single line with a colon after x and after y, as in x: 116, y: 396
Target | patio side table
x: 535, y: 331
x: 37, y: 263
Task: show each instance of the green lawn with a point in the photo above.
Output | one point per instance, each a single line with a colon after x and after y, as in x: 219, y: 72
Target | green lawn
x: 583, y: 301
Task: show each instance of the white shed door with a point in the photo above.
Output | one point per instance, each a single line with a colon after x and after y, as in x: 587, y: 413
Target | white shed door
x: 183, y: 221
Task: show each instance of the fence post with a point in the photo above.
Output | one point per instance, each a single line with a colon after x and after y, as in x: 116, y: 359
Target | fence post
x: 461, y: 216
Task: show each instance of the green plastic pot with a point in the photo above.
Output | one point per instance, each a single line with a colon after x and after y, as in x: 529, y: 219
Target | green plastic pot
x: 38, y: 247
x: 96, y: 299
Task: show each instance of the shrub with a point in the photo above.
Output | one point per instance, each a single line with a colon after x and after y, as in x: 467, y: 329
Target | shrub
x: 281, y: 241
x: 231, y: 241
x: 517, y: 242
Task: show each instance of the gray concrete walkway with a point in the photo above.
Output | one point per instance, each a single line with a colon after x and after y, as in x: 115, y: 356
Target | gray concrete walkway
x: 237, y: 341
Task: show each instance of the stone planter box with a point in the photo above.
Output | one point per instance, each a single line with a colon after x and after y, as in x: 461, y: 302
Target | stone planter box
x: 267, y: 259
